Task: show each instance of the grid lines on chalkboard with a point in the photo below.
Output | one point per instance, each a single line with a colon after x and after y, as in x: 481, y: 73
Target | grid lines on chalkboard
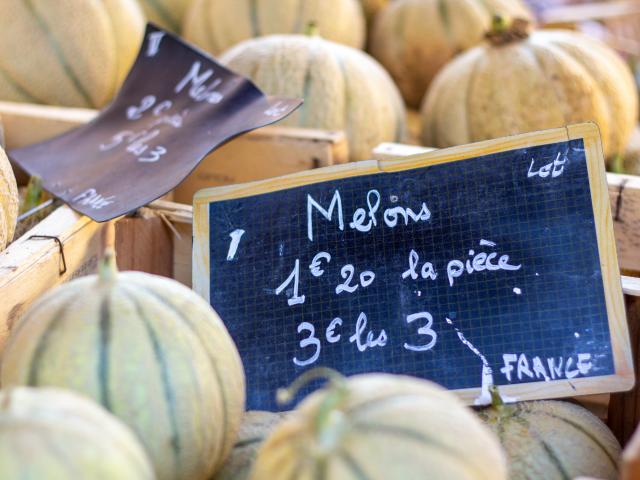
x: 550, y: 307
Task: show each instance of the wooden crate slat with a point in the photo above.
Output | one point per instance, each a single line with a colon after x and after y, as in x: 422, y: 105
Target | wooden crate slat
x: 267, y: 152
x: 31, y: 267
x: 26, y: 123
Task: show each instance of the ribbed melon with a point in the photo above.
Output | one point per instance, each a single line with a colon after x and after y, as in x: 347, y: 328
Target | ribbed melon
x: 256, y: 426
x: 553, y: 440
x: 168, y: 14
x: 67, y: 52
x: 9, y: 201
x: 343, y: 88
x: 49, y: 434
x: 414, y: 39
x: 216, y: 25
x: 521, y: 82
x: 381, y: 426
x: 149, y: 350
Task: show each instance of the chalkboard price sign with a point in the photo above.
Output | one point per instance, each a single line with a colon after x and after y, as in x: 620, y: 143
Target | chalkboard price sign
x: 489, y: 263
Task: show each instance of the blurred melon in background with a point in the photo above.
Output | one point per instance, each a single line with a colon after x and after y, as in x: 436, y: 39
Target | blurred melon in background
x: 216, y: 25
x: 73, y: 53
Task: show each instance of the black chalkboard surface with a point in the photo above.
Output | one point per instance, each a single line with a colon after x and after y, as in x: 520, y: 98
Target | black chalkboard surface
x: 485, y: 264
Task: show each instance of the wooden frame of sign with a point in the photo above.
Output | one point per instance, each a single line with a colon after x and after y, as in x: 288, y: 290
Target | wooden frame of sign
x: 623, y: 378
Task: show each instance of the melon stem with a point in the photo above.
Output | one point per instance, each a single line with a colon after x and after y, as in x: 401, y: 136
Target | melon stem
x: 328, y: 421
x: 311, y: 29
x: 503, y: 31
x: 496, y: 399
x: 108, y: 269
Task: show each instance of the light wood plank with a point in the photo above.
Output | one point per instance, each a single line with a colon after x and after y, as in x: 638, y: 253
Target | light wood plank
x: 30, y: 267
x: 265, y: 153
x: 27, y: 123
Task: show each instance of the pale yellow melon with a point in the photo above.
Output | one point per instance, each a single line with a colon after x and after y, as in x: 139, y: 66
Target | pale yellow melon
x: 216, y: 25
x: 547, y: 79
x: 553, y: 440
x: 414, y: 39
x: 381, y: 427
x: 343, y: 88
x: 53, y: 434
x: 256, y: 426
x: 148, y: 349
x: 67, y: 52
x: 168, y: 14
x: 9, y: 201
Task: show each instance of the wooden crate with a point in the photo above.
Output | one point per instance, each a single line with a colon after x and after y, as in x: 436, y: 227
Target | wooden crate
x: 36, y: 262
x: 266, y: 152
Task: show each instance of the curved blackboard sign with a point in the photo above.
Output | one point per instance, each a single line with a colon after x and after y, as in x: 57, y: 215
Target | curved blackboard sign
x: 176, y: 106
x: 489, y: 263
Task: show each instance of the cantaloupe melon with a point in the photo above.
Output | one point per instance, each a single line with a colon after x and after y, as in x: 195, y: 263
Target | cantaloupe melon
x: 343, y: 88
x: 553, y: 440
x: 381, y: 427
x: 9, y: 201
x: 49, y: 434
x: 67, y: 52
x: 414, y: 39
x: 256, y: 426
x: 520, y: 82
x: 216, y: 25
x: 149, y: 350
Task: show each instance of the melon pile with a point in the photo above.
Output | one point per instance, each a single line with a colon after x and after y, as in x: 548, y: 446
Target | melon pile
x: 154, y: 388
x: 132, y: 376
x: 476, y: 69
x: 150, y: 351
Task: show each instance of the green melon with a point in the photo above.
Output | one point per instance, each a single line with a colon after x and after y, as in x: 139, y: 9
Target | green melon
x: 256, y: 426
x: 73, y: 53
x: 149, y: 350
x: 50, y: 434
x: 553, y: 440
